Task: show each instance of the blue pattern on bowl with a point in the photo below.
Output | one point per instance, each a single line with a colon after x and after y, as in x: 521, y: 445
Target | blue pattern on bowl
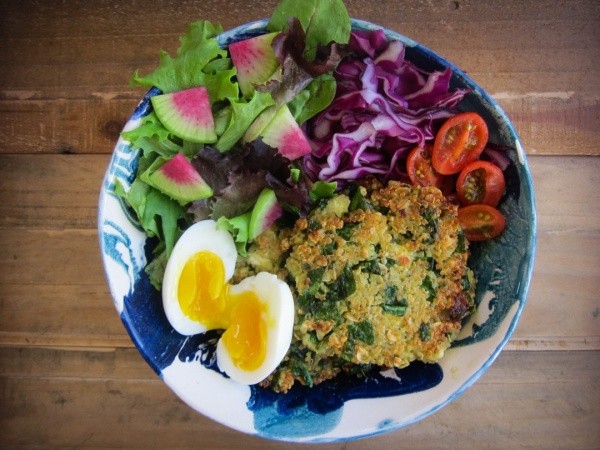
x: 334, y: 411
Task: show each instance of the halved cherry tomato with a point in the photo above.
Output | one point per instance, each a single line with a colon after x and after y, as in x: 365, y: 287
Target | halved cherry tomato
x: 460, y: 140
x: 480, y: 182
x: 419, y: 168
x: 481, y: 222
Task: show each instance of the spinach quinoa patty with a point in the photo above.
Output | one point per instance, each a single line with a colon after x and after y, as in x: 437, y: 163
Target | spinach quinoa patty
x: 379, y: 277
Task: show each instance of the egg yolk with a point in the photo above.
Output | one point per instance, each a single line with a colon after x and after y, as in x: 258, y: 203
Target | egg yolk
x: 202, y: 290
x: 246, y: 336
x: 204, y: 297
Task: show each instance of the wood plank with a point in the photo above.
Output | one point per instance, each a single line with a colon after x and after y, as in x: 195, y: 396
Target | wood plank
x: 69, y: 373
x: 549, y: 123
x: 537, y: 397
x: 127, y: 364
x: 562, y: 205
x: 41, y: 195
x: 108, y: 414
x: 50, y: 191
x: 106, y: 17
x: 77, y: 32
x: 61, y: 126
x: 541, y: 67
x: 61, y: 191
x: 72, y: 306
x: 563, y: 305
x: 500, y: 85
x: 83, y: 363
x: 60, y: 316
x: 32, y: 255
x: 454, y: 40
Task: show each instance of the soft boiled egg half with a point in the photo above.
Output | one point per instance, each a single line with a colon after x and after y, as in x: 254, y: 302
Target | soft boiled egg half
x: 257, y: 314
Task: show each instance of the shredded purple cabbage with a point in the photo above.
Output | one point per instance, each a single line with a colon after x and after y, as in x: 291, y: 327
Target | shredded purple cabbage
x: 496, y: 154
x: 384, y: 107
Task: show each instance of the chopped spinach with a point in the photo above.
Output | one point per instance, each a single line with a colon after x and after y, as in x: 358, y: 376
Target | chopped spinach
x: 290, y: 280
x: 326, y: 310
x: 358, y: 332
x: 427, y: 284
x: 313, y: 225
x: 424, y: 332
x: 319, y: 309
x: 389, y: 262
x: 461, y: 244
x: 398, y: 309
x: 299, y: 369
x: 390, y: 293
x: 344, y: 286
x: 430, y: 263
x: 383, y: 210
x: 316, y: 278
x: 432, y: 225
x: 305, y: 301
x: 361, y: 331
x: 395, y: 306
x: 466, y: 282
x: 391, y: 303
x: 312, y: 336
x: 329, y: 249
x: 421, y: 254
x: 371, y: 266
x: 347, y: 230
x: 358, y: 201
x: 297, y: 351
x: 360, y: 370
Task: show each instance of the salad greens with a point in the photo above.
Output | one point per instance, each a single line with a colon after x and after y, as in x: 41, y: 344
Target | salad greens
x: 159, y: 215
x: 238, y: 227
x: 316, y: 97
x: 362, y: 107
x: 241, y: 115
x: 199, y: 62
x: 236, y: 170
x: 315, y: 16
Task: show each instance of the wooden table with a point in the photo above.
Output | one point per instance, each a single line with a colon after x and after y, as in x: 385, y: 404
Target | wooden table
x: 69, y: 374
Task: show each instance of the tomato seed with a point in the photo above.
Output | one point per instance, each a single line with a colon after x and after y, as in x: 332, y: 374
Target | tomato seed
x: 474, y: 186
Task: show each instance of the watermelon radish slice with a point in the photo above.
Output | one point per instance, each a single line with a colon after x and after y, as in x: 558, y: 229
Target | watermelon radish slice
x: 178, y: 179
x: 264, y: 214
x: 187, y: 114
x: 254, y: 60
x: 284, y: 134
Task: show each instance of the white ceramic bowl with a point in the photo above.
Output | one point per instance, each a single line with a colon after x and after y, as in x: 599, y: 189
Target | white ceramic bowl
x: 345, y: 408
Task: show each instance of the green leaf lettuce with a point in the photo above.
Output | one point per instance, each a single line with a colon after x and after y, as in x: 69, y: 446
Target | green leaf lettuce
x: 324, y: 21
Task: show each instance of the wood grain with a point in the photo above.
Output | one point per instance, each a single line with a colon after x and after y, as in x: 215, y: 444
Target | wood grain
x: 49, y: 210
x: 59, y: 73
x: 46, y: 304
x: 62, y: 191
x: 50, y: 191
x: 542, y: 398
x: 69, y: 373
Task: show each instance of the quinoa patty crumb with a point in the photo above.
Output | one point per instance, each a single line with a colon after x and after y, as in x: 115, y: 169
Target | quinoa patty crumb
x: 379, y: 278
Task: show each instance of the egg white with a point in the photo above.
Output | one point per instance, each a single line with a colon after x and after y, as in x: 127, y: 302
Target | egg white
x: 202, y: 236
x: 277, y: 297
